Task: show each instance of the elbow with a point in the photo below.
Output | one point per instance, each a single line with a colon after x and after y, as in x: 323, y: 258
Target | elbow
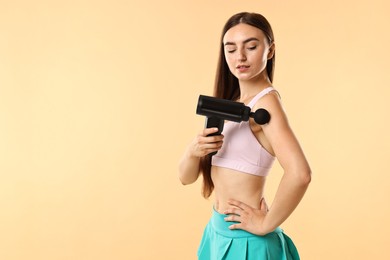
x: 184, y: 182
x: 301, y: 176
x: 305, y: 177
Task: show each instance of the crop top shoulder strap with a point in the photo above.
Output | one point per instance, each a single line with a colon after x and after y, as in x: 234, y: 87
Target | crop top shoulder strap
x: 260, y: 95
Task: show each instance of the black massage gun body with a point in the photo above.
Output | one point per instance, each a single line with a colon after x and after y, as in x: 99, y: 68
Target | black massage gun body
x: 218, y: 110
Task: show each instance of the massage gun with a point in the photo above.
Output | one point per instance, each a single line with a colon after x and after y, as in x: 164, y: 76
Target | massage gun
x: 218, y: 110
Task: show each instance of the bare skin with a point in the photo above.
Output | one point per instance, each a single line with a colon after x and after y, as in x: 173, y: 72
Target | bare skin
x: 237, y: 194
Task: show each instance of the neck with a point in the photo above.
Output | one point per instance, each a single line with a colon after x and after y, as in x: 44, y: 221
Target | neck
x: 249, y: 88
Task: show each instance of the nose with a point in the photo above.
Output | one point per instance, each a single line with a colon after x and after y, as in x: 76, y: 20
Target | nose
x: 241, y: 55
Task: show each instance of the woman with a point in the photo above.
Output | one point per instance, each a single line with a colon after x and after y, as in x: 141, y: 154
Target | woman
x: 242, y: 226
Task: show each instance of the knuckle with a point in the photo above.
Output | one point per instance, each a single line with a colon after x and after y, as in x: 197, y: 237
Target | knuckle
x: 200, y: 140
x: 205, y: 132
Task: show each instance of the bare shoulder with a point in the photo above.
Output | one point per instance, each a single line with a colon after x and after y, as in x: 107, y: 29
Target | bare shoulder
x: 273, y: 104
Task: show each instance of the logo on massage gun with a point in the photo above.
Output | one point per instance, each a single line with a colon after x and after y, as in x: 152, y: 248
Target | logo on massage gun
x: 218, y: 110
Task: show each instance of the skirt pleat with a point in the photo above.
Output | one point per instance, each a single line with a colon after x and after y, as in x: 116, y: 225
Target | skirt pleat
x: 221, y: 243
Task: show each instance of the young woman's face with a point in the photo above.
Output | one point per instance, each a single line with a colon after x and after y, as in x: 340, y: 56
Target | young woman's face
x: 247, y: 51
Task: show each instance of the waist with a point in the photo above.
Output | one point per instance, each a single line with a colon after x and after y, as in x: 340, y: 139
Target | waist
x: 221, y: 202
x: 229, y: 184
x: 221, y: 226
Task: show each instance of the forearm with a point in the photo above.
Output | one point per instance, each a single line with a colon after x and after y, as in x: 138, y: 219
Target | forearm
x: 188, y: 168
x: 290, y: 192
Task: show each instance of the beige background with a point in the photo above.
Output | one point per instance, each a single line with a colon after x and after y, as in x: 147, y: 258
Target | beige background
x: 97, y: 103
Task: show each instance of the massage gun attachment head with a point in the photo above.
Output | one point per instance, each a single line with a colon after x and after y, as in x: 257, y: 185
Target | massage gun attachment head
x: 261, y: 116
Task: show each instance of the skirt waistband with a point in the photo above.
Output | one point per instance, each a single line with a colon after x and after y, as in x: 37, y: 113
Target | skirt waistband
x: 221, y: 226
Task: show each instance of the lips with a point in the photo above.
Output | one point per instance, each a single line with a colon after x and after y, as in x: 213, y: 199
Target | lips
x: 242, y: 68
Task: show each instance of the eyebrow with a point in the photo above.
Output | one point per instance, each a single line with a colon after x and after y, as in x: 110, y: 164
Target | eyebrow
x: 246, y: 41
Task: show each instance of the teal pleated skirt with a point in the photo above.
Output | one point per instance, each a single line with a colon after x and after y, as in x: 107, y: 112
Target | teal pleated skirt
x: 221, y: 243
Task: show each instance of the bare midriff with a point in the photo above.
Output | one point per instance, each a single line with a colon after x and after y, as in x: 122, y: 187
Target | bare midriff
x: 232, y: 184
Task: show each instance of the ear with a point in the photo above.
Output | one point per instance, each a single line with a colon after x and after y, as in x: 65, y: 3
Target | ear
x: 271, y: 51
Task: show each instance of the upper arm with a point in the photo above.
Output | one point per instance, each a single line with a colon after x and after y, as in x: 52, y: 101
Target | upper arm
x: 281, y: 137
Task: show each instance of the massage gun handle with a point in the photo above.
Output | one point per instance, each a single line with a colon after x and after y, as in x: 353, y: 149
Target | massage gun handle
x: 214, y: 122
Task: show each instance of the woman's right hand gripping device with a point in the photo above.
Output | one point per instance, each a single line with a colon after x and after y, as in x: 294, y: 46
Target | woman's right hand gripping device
x: 218, y: 110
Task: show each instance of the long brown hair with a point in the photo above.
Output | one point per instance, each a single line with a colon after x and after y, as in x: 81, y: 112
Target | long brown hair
x: 226, y: 84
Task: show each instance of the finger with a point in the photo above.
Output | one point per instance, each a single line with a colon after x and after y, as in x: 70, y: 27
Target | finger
x: 232, y: 218
x: 208, y: 131
x: 213, y: 139
x: 212, y: 146
x: 216, y: 139
x: 233, y: 212
x: 209, y: 151
x: 208, y: 142
x: 239, y: 204
x: 235, y: 226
